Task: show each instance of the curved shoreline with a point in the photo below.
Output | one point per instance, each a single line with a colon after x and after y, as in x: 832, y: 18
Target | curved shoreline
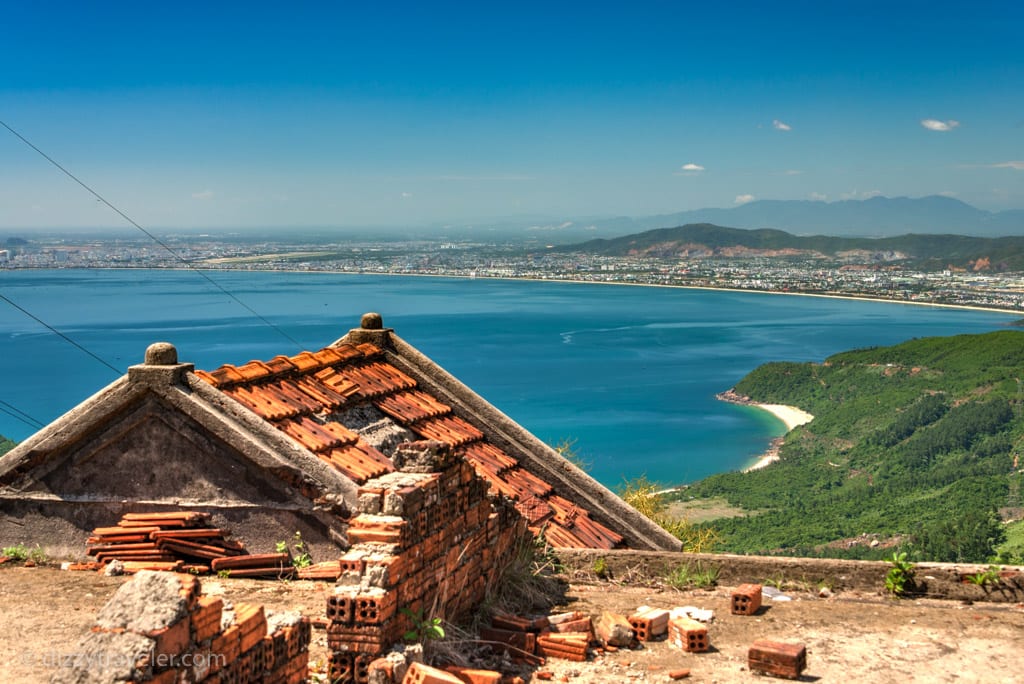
x: 570, y: 281
x: 791, y: 417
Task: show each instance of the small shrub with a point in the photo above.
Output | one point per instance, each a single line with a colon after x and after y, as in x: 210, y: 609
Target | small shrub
x: 985, y: 578
x: 601, y: 567
x: 20, y: 552
x: 900, y: 574
x: 300, y: 556
x: 423, y: 628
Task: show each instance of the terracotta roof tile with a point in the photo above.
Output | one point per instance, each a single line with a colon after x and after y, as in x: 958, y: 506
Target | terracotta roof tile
x: 262, y: 402
x: 280, y: 364
x: 527, y: 483
x: 451, y: 430
x: 254, y: 370
x: 305, y: 362
x: 376, y: 379
x: 317, y: 437
x: 412, y: 405
x: 326, y: 396
x: 560, y: 537
x: 489, y: 456
x: 359, y: 461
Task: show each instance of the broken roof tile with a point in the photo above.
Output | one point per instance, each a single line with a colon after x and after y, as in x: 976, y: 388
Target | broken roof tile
x: 360, y: 461
x: 489, y: 456
x: 326, y: 396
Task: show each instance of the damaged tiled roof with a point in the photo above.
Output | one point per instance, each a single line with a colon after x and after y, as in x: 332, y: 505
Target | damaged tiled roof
x: 304, y: 396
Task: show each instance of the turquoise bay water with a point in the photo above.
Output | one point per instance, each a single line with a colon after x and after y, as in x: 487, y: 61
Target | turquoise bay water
x: 629, y: 373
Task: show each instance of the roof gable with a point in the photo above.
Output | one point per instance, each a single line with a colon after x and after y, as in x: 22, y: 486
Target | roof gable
x: 305, y: 396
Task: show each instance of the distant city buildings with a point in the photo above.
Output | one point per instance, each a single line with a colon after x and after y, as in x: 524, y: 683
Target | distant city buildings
x: 882, y: 279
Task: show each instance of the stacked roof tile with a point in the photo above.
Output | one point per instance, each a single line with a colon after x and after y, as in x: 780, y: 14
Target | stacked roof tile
x: 301, y: 395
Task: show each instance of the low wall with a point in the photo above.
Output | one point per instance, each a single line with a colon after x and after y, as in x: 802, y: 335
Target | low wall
x: 930, y: 580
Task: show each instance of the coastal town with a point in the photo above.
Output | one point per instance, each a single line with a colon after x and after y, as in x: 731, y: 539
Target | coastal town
x: 880, y: 279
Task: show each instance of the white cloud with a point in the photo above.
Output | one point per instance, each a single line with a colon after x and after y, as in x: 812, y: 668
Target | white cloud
x: 204, y: 195
x: 857, y: 195
x: 818, y: 196
x: 692, y: 167
x: 948, y: 193
x: 1015, y: 165
x: 509, y: 177
x: 743, y: 199
x: 791, y: 172
x: 406, y: 195
x: 780, y: 126
x: 936, y: 125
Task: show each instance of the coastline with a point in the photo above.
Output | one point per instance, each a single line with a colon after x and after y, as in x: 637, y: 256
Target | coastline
x: 568, y: 281
x: 791, y: 417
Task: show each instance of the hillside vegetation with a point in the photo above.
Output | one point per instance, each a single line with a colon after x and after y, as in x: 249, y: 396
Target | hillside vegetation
x: 6, y: 445
x: 921, y: 251
x: 915, y: 446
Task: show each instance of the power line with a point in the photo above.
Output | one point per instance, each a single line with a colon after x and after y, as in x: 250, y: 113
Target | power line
x: 61, y: 335
x: 154, y: 238
x: 18, y: 414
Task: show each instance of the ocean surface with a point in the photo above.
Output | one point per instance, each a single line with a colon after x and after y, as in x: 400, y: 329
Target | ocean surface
x: 628, y: 374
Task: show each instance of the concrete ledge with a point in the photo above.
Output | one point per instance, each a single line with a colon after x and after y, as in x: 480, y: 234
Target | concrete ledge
x: 930, y: 580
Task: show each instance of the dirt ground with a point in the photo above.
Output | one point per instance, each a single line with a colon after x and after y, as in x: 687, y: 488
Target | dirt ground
x: 849, y: 638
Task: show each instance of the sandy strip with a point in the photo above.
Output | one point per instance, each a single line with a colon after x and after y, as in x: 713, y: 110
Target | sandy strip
x: 792, y: 417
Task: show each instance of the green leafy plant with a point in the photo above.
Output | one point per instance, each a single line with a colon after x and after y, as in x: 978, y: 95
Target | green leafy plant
x: 299, y: 553
x: 900, y: 574
x: 20, y: 552
x: 224, y: 574
x: 423, y: 628
x: 600, y: 567
x: 687, y: 576
x: 986, y: 577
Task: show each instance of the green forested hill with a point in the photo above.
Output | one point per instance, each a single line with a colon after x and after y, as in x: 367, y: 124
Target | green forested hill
x: 922, y: 251
x: 915, y: 443
x: 6, y: 445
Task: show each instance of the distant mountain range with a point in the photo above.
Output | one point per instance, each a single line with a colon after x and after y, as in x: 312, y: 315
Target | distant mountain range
x: 923, y: 251
x: 874, y: 217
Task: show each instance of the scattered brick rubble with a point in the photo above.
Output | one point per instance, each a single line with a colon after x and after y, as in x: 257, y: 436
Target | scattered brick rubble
x: 186, y: 542
x: 159, y: 628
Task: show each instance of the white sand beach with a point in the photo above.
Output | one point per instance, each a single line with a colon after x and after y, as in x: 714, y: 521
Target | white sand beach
x: 792, y: 417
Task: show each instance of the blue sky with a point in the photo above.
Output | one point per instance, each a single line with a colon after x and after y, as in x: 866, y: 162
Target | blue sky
x: 355, y: 114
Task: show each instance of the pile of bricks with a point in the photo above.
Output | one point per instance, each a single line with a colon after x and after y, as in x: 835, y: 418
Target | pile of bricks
x: 182, y: 541
x: 160, y: 628
x: 425, y: 544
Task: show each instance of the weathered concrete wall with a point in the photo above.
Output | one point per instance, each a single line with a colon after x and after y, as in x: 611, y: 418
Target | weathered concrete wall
x: 154, y: 459
x: 934, y: 580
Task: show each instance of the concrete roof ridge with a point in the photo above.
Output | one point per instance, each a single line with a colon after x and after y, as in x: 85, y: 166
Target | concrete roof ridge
x: 639, y: 531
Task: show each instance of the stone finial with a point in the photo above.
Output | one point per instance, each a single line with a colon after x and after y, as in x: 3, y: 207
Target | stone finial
x: 371, y: 321
x: 161, y: 354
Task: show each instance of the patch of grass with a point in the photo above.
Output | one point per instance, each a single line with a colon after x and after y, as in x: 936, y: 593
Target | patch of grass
x: 689, y: 576
x: 600, y: 567
x: 20, y: 552
x: 645, y: 496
